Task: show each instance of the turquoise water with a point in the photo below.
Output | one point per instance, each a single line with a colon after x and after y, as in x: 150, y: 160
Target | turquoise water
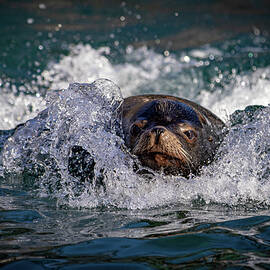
x: 216, y: 53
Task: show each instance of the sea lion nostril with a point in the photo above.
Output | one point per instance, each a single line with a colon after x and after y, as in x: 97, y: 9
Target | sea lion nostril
x: 158, y: 131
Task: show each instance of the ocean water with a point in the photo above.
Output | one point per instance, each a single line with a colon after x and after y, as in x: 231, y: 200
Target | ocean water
x: 65, y: 68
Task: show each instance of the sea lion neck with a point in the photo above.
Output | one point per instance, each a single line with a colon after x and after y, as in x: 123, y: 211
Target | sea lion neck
x: 166, y: 111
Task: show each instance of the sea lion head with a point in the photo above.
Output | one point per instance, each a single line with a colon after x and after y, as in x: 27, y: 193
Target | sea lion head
x: 169, y: 135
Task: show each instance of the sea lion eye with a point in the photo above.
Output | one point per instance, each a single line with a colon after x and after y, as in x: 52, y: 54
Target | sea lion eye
x: 135, y: 130
x: 190, y: 134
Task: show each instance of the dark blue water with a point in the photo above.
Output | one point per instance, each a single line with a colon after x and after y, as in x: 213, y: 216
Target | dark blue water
x: 216, y: 53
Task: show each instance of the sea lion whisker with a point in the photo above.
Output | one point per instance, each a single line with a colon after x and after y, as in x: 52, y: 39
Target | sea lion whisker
x: 187, y: 160
x: 183, y: 151
x: 185, y: 155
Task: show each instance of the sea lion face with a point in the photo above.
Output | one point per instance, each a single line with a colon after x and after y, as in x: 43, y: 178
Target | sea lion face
x: 169, y: 135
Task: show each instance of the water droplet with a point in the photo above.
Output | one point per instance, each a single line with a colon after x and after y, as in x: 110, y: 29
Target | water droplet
x: 166, y: 53
x: 58, y: 27
x: 129, y: 49
x: 30, y: 20
x: 186, y: 59
x: 256, y: 31
x: 42, y: 6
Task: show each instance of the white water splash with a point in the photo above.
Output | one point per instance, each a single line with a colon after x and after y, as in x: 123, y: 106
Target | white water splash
x: 81, y: 115
x: 143, y: 71
x: 247, y: 89
x: 242, y: 171
x: 16, y: 109
x: 239, y: 176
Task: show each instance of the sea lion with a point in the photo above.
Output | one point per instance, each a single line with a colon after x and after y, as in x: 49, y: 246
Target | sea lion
x: 170, y: 134
x: 166, y: 133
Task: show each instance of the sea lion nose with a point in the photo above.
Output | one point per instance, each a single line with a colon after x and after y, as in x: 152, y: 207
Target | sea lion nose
x: 158, y: 131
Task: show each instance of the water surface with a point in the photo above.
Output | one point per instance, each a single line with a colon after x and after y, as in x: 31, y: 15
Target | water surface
x: 216, y: 53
